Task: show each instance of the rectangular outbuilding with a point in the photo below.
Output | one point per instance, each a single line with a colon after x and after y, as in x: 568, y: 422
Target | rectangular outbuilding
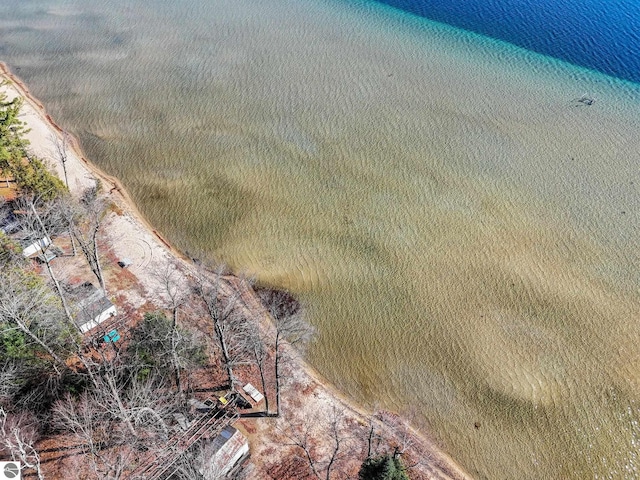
x: 91, y: 306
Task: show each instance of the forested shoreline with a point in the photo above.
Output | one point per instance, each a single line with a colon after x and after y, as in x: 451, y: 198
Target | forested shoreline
x: 108, y: 397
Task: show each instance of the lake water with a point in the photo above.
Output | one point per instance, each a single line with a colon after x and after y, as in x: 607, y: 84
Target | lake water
x: 462, y: 229
x: 600, y: 35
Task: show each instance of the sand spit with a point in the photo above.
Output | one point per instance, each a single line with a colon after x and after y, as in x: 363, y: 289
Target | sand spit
x: 128, y: 234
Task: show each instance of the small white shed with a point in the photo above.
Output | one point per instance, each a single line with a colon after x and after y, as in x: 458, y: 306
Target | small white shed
x: 91, y: 306
x: 30, y: 247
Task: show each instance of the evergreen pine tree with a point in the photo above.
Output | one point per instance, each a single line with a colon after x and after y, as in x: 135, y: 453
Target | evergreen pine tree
x: 384, y: 467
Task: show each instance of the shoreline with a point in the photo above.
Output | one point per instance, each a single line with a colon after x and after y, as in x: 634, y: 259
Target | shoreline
x: 442, y: 466
x: 92, y: 168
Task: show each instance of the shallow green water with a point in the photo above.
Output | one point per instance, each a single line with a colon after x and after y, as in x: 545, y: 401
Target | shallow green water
x: 463, y: 233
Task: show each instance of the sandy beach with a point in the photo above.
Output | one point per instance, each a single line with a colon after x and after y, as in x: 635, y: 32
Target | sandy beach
x: 128, y: 235
x: 459, y: 226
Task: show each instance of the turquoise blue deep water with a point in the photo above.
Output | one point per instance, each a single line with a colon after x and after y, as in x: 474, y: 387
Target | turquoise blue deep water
x: 597, y: 34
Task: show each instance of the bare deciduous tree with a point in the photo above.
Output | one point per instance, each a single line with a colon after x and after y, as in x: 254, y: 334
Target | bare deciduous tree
x: 117, y: 417
x: 10, y: 380
x: 260, y: 352
x: 94, y: 432
x: 86, y: 229
x: 68, y: 211
x: 18, y: 436
x: 325, y: 431
x: 30, y: 307
x: 159, y: 347
x: 290, y: 327
x: 175, y: 294
x: 61, y: 146
x: 389, y: 435
x: 194, y: 465
x: 230, y: 326
x: 41, y: 221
